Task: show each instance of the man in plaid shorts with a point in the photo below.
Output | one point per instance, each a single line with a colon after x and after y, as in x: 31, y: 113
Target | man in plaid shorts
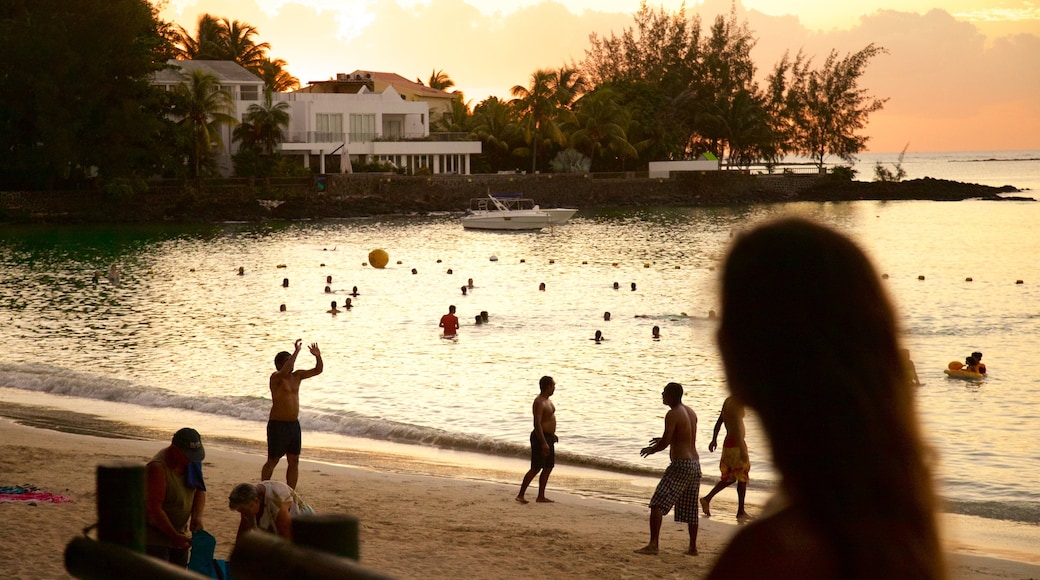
x: 680, y: 485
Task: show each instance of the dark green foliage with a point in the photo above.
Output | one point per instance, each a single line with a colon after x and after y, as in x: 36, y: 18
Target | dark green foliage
x: 819, y: 112
x: 74, y: 92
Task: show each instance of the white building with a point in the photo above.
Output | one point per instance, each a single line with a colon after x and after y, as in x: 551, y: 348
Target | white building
x: 331, y: 132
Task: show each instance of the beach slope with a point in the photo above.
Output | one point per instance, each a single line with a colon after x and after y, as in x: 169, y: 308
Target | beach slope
x: 411, y: 526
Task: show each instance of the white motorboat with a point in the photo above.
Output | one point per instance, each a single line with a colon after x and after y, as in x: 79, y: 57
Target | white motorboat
x: 512, y: 212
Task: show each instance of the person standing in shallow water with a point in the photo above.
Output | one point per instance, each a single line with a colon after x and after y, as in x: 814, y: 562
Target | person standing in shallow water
x: 856, y: 500
x: 543, y: 441
x: 680, y: 485
x: 450, y: 323
x: 284, y: 436
x: 735, y: 463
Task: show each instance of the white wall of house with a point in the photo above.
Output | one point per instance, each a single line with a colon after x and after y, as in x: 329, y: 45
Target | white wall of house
x: 664, y: 169
x: 377, y: 126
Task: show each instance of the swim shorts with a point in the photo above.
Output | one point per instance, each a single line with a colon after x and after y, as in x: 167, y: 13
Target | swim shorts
x: 679, y: 487
x: 732, y: 466
x: 539, y: 461
x: 283, y: 438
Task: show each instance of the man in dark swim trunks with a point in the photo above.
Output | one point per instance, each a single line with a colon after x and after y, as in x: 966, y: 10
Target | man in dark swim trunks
x: 283, y: 427
x: 543, y: 441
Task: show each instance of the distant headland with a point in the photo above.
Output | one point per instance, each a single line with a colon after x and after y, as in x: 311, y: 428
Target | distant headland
x: 360, y: 195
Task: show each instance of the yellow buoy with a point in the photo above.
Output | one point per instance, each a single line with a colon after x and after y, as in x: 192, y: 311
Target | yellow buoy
x: 378, y: 258
x: 646, y: 265
x: 552, y: 261
x: 968, y: 279
x: 920, y: 277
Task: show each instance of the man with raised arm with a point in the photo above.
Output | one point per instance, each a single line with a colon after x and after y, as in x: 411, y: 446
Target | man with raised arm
x: 681, y: 482
x: 735, y: 464
x: 283, y: 427
x: 543, y: 440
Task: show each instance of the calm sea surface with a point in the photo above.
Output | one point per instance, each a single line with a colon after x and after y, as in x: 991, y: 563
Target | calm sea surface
x: 181, y: 330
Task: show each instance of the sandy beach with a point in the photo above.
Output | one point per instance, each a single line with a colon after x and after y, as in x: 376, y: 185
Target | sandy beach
x: 411, y: 526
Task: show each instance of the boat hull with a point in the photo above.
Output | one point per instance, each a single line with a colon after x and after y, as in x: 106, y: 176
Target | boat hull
x: 513, y: 223
x: 559, y: 215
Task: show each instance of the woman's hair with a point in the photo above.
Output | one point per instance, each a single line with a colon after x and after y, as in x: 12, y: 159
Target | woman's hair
x: 809, y: 341
x: 242, y: 494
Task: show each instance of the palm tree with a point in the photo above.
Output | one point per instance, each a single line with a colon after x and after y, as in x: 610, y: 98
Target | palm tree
x: 537, y: 106
x: 567, y: 85
x: 263, y: 126
x: 205, y: 45
x: 236, y: 43
x: 276, y: 78
x: 223, y: 39
x: 457, y: 119
x: 601, y: 125
x: 440, y: 80
x: 493, y: 125
x: 203, y: 108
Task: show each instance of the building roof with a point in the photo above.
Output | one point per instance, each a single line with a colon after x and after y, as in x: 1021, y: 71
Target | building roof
x: 225, y: 70
x: 353, y: 81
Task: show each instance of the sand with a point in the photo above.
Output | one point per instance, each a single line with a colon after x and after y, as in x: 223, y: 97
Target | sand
x: 411, y: 526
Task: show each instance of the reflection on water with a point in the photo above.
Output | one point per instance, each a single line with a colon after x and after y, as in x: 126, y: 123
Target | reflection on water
x: 182, y: 329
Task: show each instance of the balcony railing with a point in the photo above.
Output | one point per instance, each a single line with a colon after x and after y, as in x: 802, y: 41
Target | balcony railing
x: 331, y: 137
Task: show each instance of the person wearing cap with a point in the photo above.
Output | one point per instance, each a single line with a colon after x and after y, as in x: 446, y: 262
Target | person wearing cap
x: 175, y: 498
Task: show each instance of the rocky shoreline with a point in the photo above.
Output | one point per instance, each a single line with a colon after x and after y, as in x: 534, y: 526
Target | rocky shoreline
x: 362, y: 195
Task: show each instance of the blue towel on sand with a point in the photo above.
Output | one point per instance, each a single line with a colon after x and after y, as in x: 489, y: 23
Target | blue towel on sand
x: 203, y: 546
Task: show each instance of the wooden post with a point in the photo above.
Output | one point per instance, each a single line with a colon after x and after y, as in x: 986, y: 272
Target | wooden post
x: 92, y: 560
x: 333, y: 533
x: 120, y: 504
x: 260, y: 555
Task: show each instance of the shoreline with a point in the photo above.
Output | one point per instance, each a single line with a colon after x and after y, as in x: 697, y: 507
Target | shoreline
x: 369, y: 195
x: 467, y: 524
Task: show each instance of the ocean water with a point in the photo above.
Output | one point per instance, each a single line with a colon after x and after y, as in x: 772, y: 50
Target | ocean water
x: 182, y: 331
x: 1020, y: 169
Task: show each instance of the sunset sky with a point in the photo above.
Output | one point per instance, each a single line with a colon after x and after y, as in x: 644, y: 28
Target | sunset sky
x: 959, y: 74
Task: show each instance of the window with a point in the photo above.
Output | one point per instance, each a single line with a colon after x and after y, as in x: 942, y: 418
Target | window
x: 250, y: 92
x: 328, y: 127
x: 362, y: 128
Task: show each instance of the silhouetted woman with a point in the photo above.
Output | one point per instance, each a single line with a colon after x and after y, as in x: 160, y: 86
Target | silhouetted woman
x: 856, y: 498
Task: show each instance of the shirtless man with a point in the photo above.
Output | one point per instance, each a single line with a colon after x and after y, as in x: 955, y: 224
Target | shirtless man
x: 283, y: 427
x: 681, y: 482
x: 734, y: 464
x: 543, y: 441
x: 450, y: 323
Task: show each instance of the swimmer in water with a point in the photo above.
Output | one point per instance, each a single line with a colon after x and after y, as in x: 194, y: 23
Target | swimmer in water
x: 656, y: 332
x: 333, y: 310
x: 598, y: 337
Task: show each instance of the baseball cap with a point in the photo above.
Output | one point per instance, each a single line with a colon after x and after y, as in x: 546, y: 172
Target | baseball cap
x: 189, y: 441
